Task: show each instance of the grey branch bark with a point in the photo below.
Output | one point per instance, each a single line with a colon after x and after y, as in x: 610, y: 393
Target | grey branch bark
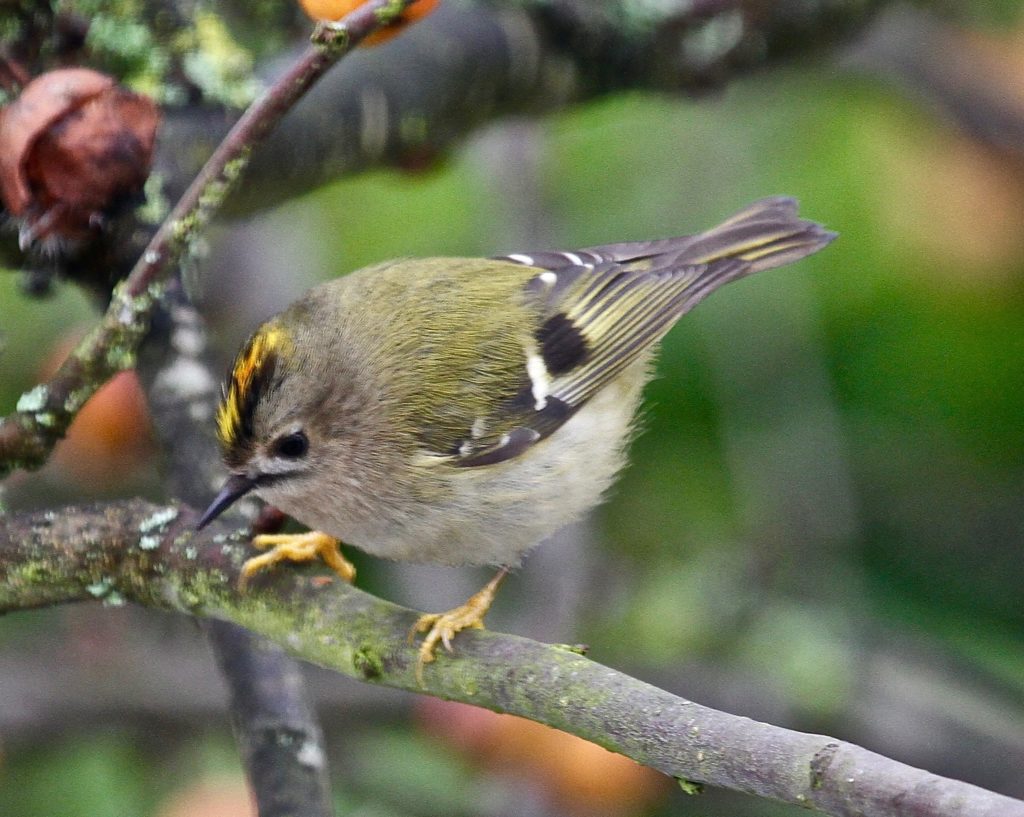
x: 134, y: 550
x: 280, y: 740
x: 278, y: 735
x: 470, y: 63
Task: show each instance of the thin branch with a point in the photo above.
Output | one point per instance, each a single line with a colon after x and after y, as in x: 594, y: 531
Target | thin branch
x: 44, y: 413
x: 279, y: 738
x: 137, y: 551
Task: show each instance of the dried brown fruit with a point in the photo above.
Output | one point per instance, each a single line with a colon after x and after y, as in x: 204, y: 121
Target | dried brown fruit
x: 73, y: 146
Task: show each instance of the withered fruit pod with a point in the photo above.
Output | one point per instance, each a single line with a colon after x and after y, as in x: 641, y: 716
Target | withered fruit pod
x: 73, y: 145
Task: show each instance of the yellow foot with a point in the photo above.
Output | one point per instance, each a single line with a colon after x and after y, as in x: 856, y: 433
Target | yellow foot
x: 297, y: 547
x: 442, y: 627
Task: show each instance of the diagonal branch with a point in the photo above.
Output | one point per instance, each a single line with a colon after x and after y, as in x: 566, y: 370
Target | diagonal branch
x: 44, y: 413
x: 137, y: 551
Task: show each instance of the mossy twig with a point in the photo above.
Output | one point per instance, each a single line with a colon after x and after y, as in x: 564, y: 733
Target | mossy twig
x: 136, y: 551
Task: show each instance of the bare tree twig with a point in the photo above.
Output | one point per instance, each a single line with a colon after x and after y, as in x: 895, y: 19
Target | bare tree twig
x: 281, y: 743
x: 44, y: 413
x: 134, y: 550
x: 279, y: 739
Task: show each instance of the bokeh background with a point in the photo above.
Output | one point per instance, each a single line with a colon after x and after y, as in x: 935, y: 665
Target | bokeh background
x: 823, y: 522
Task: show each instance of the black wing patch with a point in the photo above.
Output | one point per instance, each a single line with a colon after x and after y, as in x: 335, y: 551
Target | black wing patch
x: 562, y: 344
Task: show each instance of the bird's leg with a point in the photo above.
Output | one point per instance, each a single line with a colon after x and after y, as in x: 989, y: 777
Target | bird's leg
x: 297, y: 547
x: 442, y: 627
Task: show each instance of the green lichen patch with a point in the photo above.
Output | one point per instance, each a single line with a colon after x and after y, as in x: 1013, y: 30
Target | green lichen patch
x: 149, y: 542
x: 118, y: 358
x: 156, y: 206
x: 153, y: 527
x: 158, y: 520
x: 30, y: 574
x: 331, y: 38
x: 100, y: 588
x: 368, y: 662
x: 217, y: 64
x: 76, y: 399
x: 196, y: 591
x: 821, y: 762
x: 126, y: 48
x: 690, y: 787
x: 33, y: 400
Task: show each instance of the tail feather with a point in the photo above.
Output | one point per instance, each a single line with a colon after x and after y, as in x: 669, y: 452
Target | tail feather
x: 767, y: 234
x: 627, y: 296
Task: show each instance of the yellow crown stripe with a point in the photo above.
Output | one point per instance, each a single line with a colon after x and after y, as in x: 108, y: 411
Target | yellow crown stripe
x: 268, y: 341
x: 228, y: 418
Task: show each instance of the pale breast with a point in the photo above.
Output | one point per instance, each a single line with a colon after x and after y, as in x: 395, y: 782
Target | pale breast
x: 494, y: 514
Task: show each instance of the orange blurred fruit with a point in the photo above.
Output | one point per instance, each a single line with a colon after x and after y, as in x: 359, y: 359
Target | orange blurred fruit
x: 111, y: 436
x: 228, y: 797
x: 580, y: 777
x: 336, y: 9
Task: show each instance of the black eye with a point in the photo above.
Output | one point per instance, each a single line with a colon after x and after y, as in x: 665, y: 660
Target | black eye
x: 293, y: 446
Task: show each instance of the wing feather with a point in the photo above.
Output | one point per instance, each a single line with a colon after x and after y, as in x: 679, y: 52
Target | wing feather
x: 598, y: 309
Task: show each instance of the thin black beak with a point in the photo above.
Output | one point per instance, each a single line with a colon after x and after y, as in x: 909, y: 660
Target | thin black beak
x: 237, y: 486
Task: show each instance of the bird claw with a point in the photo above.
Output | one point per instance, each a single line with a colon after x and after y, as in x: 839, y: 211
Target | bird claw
x: 296, y: 547
x: 443, y: 627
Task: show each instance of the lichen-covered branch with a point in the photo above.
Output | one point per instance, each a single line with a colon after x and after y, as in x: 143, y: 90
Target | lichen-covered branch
x: 136, y: 551
x: 44, y: 413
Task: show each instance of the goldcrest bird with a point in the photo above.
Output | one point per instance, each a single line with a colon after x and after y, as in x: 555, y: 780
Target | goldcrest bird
x: 460, y: 410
